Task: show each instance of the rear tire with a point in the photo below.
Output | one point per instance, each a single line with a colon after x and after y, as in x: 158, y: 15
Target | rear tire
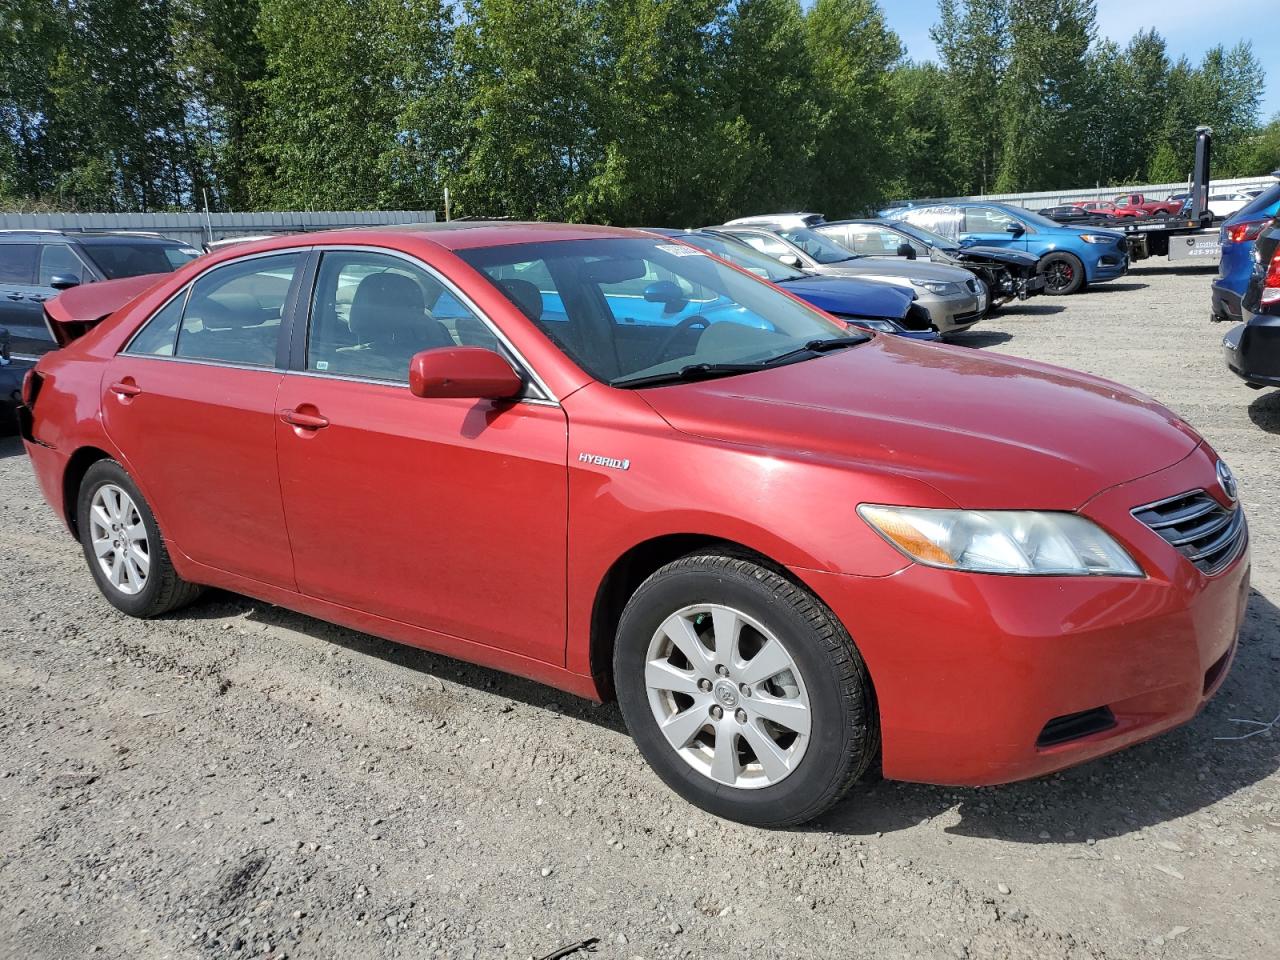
x: 124, y: 547
x: 787, y: 711
x: 1063, y: 274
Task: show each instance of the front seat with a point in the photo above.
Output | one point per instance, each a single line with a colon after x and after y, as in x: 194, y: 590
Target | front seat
x: 390, y: 323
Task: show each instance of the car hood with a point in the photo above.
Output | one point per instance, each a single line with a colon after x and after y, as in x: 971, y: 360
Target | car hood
x: 873, y: 267
x: 980, y: 254
x: 986, y: 431
x: 853, y: 295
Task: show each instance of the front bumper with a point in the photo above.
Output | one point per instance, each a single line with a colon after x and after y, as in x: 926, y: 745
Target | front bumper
x: 955, y: 313
x: 972, y: 671
x: 1252, y: 351
x: 1110, y: 265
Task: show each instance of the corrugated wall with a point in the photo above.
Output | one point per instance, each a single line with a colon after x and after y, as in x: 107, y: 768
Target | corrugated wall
x: 196, y: 229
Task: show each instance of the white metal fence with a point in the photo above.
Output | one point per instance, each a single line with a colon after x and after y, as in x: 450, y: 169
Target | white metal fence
x: 197, y: 228
x: 1154, y: 191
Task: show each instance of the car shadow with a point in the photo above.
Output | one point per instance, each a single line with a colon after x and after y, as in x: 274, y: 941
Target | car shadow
x: 1113, y: 287
x: 1264, y: 411
x: 979, y: 338
x: 11, y: 446
x: 1182, y: 269
x: 1172, y: 776
x: 218, y: 604
x: 1027, y: 309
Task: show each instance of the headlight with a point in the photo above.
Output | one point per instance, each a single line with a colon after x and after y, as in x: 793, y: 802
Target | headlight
x: 879, y: 326
x: 1001, y: 541
x: 941, y: 288
x: 1096, y: 238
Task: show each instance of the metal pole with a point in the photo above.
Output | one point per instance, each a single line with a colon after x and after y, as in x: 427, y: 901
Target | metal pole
x: 446, y: 204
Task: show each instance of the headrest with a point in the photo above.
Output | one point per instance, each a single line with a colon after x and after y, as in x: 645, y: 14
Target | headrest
x: 386, y: 305
x: 524, y: 295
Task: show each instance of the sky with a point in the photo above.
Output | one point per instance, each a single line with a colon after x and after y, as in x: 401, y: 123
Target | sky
x: 1189, y: 27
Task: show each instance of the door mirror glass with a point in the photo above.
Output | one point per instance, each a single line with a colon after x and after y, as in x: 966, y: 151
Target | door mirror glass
x: 64, y: 281
x: 469, y: 372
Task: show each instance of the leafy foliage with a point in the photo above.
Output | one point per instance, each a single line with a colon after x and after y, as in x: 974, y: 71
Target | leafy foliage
x: 625, y: 111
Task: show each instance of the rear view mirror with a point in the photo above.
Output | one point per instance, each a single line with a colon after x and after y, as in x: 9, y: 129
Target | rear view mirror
x: 470, y: 372
x: 906, y: 250
x: 790, y: 259
x: 64, y: 281
x: 667, y: 293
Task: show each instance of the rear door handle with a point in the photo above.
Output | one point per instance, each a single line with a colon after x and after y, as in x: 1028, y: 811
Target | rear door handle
x: 13, y: 296
x: 125, y: 388
x: 38, y: 297
x: 307, y: 421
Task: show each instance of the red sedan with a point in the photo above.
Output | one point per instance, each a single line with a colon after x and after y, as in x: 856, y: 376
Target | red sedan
x: 612, y: 463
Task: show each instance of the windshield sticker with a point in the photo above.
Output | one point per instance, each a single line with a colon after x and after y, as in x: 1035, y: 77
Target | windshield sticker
x: 680, y: 250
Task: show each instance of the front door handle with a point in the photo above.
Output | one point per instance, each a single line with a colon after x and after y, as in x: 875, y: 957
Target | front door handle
x: 38, y: 297
x: 307, y: 421
x: 13, y: 296
x: 126, y: 388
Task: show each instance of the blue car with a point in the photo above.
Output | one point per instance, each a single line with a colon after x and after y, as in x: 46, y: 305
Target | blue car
x: 872, y: 305
x: 1071, y: 258
x: 1239, y: 232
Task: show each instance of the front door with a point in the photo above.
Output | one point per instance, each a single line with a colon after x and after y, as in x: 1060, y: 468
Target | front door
x: 190, y: 402
x: 445, y: 514
x: 989, y: 227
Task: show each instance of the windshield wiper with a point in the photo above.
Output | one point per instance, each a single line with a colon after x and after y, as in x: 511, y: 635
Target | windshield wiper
x: 820, y: 346
x: 694, y: 371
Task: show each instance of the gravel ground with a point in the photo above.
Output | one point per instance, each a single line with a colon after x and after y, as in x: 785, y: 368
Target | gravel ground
x: 238, y: 780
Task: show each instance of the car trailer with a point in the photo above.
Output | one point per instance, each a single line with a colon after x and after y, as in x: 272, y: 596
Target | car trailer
x: 1182, y: 240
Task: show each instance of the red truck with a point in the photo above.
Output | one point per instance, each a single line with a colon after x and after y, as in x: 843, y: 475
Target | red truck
x: 1136, y: 205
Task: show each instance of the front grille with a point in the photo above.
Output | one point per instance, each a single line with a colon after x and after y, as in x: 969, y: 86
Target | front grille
x: 1199, y: 527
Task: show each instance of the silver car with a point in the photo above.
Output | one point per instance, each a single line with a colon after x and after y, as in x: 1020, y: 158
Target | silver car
x: 954, y: 298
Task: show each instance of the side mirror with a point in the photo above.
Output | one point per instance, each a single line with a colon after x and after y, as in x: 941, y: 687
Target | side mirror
x: 906, y: 250
x: 1016, y: 229
x: 471, y: 372
x: 791, y: 260
x: 666, y: 293
x: 4, y: 345
x: 64, y: 281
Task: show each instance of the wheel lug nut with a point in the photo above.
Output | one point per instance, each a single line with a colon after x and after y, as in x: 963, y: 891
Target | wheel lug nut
x: 704, y: 685
x: 744, y: 689
x: 717, y: 712
x: 741, y: 716
x: 722, y: 670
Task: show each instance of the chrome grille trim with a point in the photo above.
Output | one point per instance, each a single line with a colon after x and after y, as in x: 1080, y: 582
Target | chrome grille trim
x: 1195, y: 524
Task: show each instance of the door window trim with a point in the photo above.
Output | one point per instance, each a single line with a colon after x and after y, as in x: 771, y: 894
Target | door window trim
x: 287, y: 312
x: 297, y: 355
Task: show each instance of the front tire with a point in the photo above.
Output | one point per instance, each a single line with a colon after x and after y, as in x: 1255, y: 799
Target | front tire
x: 123, y: 545
x: 743, y: 691
x: 1063, y: 274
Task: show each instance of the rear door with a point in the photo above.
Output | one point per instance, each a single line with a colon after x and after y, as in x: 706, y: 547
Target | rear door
x: 190, y: 402
x: 446, y: 514
x: 21, y: 309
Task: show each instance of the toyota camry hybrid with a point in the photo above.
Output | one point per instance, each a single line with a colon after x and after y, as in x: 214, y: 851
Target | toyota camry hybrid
x: 623, y: 467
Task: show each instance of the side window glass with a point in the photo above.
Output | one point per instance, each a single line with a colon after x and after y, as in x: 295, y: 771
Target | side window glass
x: 17, y: 262
x: 371, y: 313
x: 985, y: 220
x: 234, y: 311
x: 160, y: 333
x: 766, y: 245
x: 57, y: 260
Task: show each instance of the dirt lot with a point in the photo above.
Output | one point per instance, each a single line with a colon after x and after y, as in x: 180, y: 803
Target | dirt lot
x: 241, y: 781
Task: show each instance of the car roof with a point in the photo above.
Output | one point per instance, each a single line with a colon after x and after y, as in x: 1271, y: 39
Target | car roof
x: 104, y: 236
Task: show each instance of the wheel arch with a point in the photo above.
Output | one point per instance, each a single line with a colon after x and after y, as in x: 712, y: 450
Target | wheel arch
x: 633, y: 567
x: 73, y: 476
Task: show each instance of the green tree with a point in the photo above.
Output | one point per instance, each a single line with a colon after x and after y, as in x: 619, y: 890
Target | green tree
x: 972, y: 37
x: 341, y: 78
x: 1045, y: 95
x: 919, y: 140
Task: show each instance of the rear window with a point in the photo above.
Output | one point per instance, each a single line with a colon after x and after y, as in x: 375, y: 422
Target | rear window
x: 118, y: 259
x: 1268, y: 201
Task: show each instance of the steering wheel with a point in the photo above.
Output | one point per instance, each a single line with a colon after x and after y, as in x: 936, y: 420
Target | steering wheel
x: 680, y: 329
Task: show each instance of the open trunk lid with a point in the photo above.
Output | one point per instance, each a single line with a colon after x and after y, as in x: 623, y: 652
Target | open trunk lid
x: 73, y: 313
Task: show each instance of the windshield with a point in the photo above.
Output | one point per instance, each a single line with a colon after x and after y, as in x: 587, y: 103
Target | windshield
x: 116, y: 258
x: 822, y: 249
x: 628, y: 309
x: 925, y: 236
x: 743, y: 255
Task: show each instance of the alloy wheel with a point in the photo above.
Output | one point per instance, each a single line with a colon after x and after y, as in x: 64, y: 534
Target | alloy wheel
x: 119, y: 539
x: 727, y: 696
